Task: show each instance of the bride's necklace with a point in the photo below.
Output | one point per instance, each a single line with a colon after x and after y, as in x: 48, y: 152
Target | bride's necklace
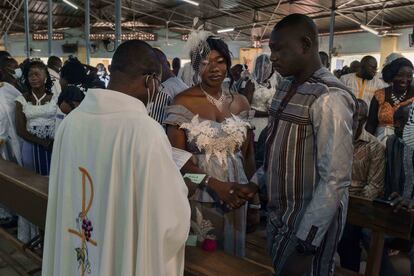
x: 397, y: 100
x: 219, y: 103
x: 39, y: 101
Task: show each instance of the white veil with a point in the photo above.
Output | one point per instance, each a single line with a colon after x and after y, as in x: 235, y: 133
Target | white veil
x: 197, y: 48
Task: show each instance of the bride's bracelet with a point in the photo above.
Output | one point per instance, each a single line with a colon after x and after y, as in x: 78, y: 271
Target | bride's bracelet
x: 206, y: 180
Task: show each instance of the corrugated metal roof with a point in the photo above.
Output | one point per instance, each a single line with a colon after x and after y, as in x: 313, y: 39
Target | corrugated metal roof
x: 242, y: 14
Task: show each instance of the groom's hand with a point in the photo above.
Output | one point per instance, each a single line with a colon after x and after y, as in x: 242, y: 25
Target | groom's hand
x: 246, y: 191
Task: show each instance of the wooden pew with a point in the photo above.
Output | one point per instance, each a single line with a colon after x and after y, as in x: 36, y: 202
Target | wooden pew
x: 201, y: 263
x: 25, y: 193
x: 382, y: 221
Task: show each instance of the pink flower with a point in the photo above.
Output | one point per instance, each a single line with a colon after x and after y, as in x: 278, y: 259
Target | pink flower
x: 209, y: 245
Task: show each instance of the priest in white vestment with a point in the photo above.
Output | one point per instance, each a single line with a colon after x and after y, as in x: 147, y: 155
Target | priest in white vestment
x: 117, y: 202
x: 10, y: 143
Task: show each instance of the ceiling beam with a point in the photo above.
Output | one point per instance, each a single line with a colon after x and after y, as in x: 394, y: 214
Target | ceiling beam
x: 160, y: 6
x: 357, y: 8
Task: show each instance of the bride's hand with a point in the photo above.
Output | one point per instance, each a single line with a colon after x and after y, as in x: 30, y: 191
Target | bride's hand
x: 227, y: 192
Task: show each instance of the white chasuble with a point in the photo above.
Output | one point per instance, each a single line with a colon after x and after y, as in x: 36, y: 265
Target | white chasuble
x: 10, y: 148
x: 117, y: 201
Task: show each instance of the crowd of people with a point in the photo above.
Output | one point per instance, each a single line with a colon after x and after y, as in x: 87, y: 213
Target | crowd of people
x: 286, y: 137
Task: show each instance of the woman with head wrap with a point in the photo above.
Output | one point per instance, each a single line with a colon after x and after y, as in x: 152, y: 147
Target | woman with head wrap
x: 259, y: 92
x: 213, y: 125
x: 399, y: 73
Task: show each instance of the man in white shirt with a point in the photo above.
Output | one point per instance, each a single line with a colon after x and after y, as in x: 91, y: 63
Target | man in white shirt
x: 117, y: 202
x: 365, y: 82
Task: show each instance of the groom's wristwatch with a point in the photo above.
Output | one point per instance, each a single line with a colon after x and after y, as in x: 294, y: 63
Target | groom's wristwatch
x: 305, y: 248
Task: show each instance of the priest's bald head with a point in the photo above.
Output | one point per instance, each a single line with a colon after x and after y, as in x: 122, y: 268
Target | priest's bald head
x: 135, y: 70
x: 294, y: 46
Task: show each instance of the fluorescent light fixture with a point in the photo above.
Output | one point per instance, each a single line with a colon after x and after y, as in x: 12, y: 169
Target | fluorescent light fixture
x: 369, y: 29
x: 225, y: 30
x: 70, y: 4
x: 191, y: 2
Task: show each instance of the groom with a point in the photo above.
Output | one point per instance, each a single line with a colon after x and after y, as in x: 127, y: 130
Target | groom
x: 309, y: 153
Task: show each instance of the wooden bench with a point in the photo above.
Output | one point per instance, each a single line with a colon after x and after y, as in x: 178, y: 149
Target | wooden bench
x: 382, y: 221
x: 25, y: 193
x: 202, y: 263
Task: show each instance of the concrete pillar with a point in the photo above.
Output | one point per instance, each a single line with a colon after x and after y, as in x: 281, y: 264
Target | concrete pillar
x: 82, y: 54
x: 87, y: 32
x: 388, y: 46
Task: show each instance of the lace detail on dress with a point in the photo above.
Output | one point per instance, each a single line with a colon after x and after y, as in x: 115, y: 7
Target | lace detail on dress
x: 217, y: 141
x: 43, y: 132
x: 41, y: 118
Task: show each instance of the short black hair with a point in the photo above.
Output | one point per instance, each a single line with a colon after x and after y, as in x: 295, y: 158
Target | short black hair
x: 73, y: 71
x: 237, y: 67
x: 5, y: 61
x: 41, y: 65
x: 300, y: 21
x: 176, y: 62
x: 161, y: 55
x: 71, y: 94
x: 53, y: 60
x: 402, y: 114
x: 391, y: 70
x: 362, y: 107
x: 355, y: 62
x: 323, y: 54
x: 367, y: 58
x: 4, y: 54
x: 135, y: 57
x: 324, y: 58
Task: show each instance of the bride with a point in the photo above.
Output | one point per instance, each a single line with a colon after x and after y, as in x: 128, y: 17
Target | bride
x: 214, y: 126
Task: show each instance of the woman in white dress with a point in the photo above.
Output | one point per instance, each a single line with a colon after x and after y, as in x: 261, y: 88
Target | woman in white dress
x: 213, y: 125
x: 35, y: 123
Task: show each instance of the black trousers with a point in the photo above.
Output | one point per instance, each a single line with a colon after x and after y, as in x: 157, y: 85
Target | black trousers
x: 349, y: 248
